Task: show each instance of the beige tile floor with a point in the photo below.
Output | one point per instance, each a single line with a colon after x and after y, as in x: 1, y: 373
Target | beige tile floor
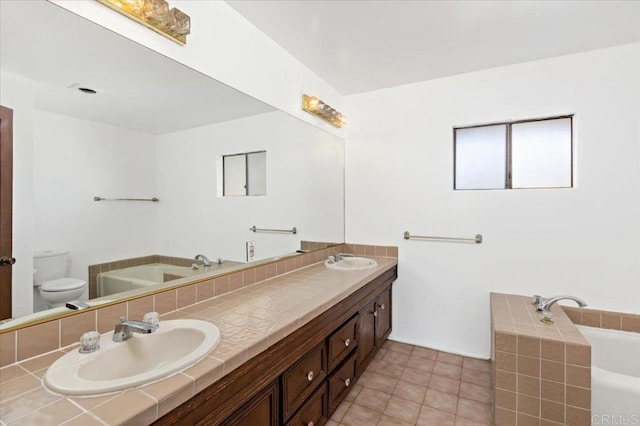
x: 410, y: 385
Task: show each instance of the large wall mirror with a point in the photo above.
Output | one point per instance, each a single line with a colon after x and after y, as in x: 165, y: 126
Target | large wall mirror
x: 153, y: 129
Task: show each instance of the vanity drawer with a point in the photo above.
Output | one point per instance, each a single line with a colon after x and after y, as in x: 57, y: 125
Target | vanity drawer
x: 342, y: 342
x: 299, y: 381
x: 314, y: 411
x: 341, y: 382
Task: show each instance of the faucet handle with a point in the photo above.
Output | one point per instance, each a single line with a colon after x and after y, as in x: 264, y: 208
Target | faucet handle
x: 89, y: 342
x: 536, y: 299
x: 546, y: 317
x: 123, y: 319
x: 152, y: 318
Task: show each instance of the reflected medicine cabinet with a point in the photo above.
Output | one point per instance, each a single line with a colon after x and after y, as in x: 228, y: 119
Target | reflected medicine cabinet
x: 244, y: 174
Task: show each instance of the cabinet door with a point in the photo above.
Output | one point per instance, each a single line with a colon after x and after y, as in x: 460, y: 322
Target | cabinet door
x: 383, y: 316
x: 366, y: 338
x: 261, y: 410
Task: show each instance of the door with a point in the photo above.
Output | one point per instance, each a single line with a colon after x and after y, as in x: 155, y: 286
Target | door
x: 6, y: 199
x: 366, y: 337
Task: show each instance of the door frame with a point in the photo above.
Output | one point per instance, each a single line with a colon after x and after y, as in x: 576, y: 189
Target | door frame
x: 6, y: 209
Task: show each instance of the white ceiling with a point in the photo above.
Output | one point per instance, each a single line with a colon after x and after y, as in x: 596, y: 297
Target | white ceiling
x: 363, y: 45
x: 138, y: 88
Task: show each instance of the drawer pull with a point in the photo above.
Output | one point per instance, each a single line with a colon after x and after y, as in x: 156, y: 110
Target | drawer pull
x: 347, y: 342
x: 310, y: 376
x: 347, y: 382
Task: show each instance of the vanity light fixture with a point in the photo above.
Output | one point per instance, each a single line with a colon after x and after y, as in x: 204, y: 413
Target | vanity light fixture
x: 156, y: 15
x: 316, y: 107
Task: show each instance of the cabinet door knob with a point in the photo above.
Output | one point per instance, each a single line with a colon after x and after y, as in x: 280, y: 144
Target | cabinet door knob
x: 310, y: 376
x: 347, y: 342
x: 382, y: 306
x: 375, y: 313
x: 310, y: 424
x: 347, y: 382
x: 7, y: 261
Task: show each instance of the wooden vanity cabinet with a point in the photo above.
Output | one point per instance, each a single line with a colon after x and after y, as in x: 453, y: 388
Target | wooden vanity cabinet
x: 314, y: 411
x: 342, y: 342
x: 374, y: 326
x: 341, y: 382
x: 261, y: 410
x: 275, y: 387
x: 366, y: 337
x: 382, y: 315
x: 299, y: 381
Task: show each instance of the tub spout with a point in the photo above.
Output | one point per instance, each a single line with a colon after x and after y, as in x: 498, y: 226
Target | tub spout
x: 546, y: 304
x: 204, y: 259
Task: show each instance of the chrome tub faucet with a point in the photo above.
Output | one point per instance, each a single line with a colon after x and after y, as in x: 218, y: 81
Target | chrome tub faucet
x: 544, y: 305
x: 204, y: 259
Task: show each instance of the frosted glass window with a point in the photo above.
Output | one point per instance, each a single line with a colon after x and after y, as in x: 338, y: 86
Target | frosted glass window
x: 481, y: 157
x: 235, y: 175
x: 541, y: 154
x: 257, y: 176
x: 245, y: 174
x: 535, y: 153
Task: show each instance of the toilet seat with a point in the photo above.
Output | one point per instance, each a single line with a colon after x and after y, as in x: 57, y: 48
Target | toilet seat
x: 62, y: 284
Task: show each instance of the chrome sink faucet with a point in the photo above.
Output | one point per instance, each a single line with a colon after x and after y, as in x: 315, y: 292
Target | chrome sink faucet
x: 340, y: 256
x: 126, y: 328
x: 204, y: 258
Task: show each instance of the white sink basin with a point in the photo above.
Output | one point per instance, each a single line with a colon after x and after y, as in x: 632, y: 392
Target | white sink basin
x: 143, y: 358
x: 352, y: 264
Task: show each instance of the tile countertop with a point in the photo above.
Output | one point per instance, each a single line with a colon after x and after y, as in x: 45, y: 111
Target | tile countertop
x: 250, y: 319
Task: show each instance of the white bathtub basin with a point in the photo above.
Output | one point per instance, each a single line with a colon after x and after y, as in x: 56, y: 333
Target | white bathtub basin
x: 143, y: 358
x: 352, y: 264
x: 615, y: 373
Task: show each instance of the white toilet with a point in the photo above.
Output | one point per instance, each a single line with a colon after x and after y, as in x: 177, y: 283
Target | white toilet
x: 49, y: 277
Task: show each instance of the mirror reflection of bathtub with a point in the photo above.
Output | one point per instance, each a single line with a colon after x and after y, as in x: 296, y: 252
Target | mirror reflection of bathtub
x: 126, y: 279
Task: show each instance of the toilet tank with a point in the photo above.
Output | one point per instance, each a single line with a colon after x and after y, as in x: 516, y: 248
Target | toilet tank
x: 50, y: 265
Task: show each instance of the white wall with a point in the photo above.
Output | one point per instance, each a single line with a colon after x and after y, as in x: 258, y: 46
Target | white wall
x: 75, y: 160
x: 303, y: 164
x: 581, y: 241
x: 18, y: 94
x: 227, y: 47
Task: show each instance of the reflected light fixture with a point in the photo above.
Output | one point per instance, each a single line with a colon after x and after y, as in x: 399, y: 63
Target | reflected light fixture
x: 316, y: 107
x: 156, y: 15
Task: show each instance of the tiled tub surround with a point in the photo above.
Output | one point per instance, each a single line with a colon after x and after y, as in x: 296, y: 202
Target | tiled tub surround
x: 603, y: 319
x: 94, y: 270
x: 250, y: 317
x: 541, y: 372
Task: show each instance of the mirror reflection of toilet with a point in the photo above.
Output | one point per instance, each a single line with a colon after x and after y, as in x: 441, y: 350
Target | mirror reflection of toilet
x: 50, y: 282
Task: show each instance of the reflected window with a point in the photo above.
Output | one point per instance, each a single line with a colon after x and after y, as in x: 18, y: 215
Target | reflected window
x: 522, y: 154
x: 244, y: 174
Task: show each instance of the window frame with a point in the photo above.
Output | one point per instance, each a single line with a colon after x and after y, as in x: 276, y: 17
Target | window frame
x: 508, y: 166
x: 246, y: 173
